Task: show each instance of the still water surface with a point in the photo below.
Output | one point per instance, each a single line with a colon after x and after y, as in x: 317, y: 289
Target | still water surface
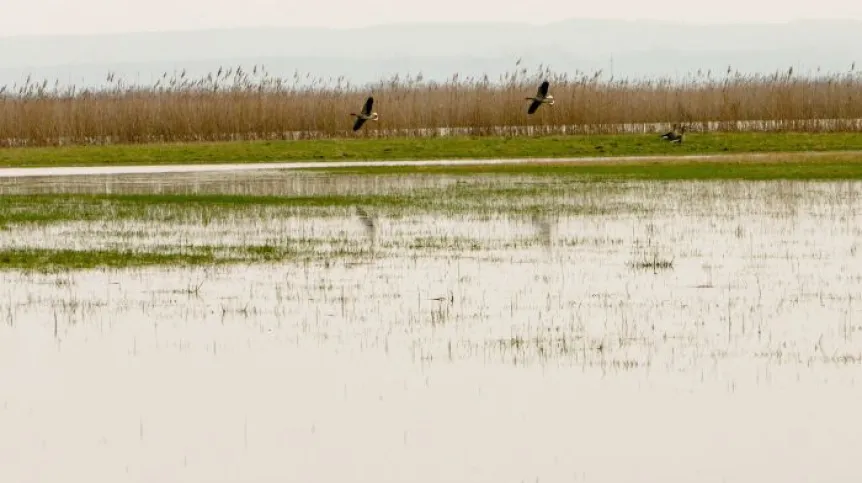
x: 429, y: 359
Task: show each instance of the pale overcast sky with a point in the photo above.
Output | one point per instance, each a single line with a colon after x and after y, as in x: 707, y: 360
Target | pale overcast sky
x: 46, y: 17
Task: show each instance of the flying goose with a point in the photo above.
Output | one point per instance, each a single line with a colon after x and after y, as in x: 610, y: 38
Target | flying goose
x: 675, y: 135
x: 541, y: 97
x: 365, y: 114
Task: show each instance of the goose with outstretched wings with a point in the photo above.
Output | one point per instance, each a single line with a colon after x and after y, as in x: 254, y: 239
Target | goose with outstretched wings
x: 541, y: 97
x: 365, y: 114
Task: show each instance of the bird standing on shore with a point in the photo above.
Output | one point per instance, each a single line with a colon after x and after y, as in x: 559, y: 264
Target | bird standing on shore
x: 365, y: 114
x: 541, y: 97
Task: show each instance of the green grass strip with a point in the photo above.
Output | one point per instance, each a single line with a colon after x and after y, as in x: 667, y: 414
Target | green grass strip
x: 460, y: 147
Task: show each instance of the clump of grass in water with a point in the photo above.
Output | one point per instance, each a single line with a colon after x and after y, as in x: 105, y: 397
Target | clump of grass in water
x: 650, y: 258
x: 446, y: 243
x: 52, y: 260
x: 557, y: 343
x: 48, y: 260
x: 655, y: 263
x: 45, y: 209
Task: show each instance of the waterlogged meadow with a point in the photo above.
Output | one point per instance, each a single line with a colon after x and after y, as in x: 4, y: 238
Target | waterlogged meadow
x: 486, y: 328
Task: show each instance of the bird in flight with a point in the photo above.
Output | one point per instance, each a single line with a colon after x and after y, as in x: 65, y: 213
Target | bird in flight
x: 365, y: 114
x: 541, y: 97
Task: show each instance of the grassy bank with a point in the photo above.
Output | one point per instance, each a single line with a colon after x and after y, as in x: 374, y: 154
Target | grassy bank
x: 777, y: 166
x: 425, y: 148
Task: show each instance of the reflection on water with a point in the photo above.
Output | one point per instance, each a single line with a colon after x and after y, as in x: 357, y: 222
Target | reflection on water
x: 262, y: 183
x: 498, y: 359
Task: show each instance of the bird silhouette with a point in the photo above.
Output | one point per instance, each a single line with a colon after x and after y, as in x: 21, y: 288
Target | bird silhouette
x: 364, y: 115
x: 541, y: 97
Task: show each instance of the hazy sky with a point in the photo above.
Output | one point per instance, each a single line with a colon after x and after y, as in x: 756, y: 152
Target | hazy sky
x: 41, y: 17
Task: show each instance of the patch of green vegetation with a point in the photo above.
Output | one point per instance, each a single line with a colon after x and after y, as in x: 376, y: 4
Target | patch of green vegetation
x: 842, y: 166
x: 48, y: 260
x: 204, y: 209
x: 653, y: 264
x: 42, y: 208
x: 51, y: 260
x: 454, y: 147
x: 446, y: 243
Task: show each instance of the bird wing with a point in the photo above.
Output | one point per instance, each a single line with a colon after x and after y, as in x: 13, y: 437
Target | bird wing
x: 358, y: 124
x: 543, y: 89
x: 533, y: 106
x: 367, y: 108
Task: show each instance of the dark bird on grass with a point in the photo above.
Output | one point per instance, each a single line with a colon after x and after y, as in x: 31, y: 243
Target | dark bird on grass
x: 365, y: 114
x: 541, y: 97
x: 675, y: 135
x: 370, y: 223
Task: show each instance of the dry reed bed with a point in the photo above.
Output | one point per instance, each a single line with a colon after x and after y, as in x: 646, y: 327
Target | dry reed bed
x: 233, y: 104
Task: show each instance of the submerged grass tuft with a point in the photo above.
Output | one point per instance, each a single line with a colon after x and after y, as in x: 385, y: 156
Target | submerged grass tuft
x: 50, y: 260
x: 654, y: 264
x: 41, y: 209
x: 62, y: 259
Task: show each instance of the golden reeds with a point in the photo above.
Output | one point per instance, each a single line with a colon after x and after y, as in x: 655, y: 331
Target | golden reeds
x: 235, y: 104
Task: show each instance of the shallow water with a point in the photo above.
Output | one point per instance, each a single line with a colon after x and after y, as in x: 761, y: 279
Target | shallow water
x: 461, y: 348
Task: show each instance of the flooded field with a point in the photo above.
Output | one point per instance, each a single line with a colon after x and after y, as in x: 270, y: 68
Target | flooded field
x: 482, y: 329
